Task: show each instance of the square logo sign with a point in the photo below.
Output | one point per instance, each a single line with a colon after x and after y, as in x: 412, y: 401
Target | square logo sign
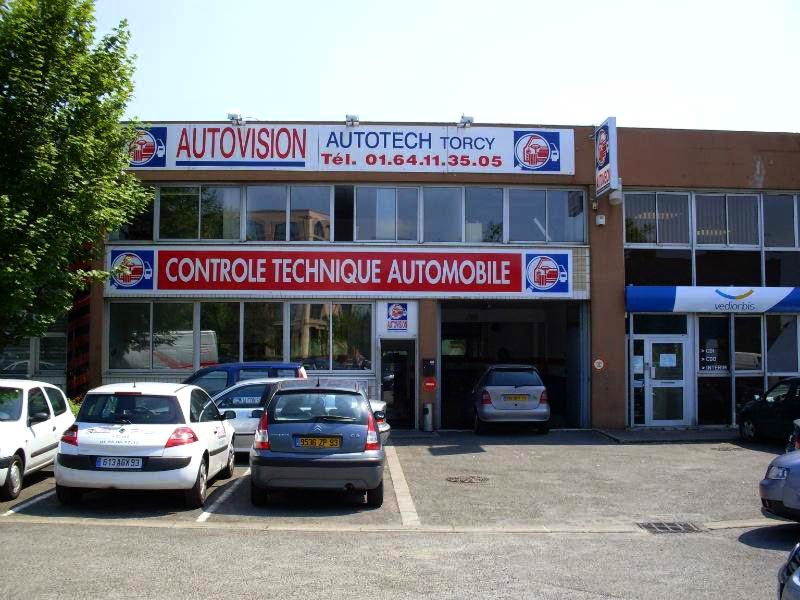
x: 537, y: 151
x: 547, y: 273
x: 149, y: 148
x: 397, y: 316
x: 132, y: 269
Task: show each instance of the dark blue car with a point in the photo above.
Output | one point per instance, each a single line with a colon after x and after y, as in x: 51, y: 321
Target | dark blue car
x: 216, y: 378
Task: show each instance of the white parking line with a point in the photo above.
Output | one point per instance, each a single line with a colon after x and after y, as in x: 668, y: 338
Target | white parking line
x: 408, y: 512
x: 27, y: 503
x: 225, y: 495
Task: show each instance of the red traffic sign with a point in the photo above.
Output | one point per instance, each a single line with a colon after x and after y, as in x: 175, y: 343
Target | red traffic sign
x: 429, y: 384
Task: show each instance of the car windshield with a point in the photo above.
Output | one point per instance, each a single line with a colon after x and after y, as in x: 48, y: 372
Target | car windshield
x: 246, y: 396
x: 10, y: 403
x: 131, y: 409
x: 318, y: 406
x: 513, y: 377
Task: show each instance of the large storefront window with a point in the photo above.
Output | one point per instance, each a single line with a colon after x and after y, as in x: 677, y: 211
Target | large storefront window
x: 263, y: 331
x: 727, y: 220
x: 443, y: 216
x: 782, y: 269
x: 129, y: 336
x: 644, y: 266
x: 219, y: 322
x: 266, y: 213
x: 565, y: 219
x: 219, y: 214
x: 352, y: 336
x: 310, y: 216
x: 484, y: 214
x: 173, y: 335
x: 714, y: 344
x: 179, y: 208
x: 779, y: 221
x: 727, y: 267
x: 527, y: 211
x: 782, y: 343
x: 139, y: 229
x: 310, y: 340
x: 747, y: 337
x: 376, y: 214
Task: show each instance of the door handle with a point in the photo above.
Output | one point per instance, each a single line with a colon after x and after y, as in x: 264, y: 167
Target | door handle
x: 652, y: 372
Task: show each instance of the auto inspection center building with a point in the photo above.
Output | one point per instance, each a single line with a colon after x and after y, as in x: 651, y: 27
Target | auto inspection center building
x: 411, y: 256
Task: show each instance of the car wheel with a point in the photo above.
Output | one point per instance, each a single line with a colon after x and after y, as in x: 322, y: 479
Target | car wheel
x: 68, y: 495
x: 13, y: 485
x: 747, y: 430
x: 479, y: 426
x: 375, y: 497
x: 543, y: 428
x: 196, y: 497
x: 227, y: 472
x: 258, y: 496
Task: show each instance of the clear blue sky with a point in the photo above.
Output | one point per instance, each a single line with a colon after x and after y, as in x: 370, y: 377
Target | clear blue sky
x: 695, y: 64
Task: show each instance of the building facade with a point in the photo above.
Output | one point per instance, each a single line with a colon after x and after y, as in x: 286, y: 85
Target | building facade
x: 411, y: 256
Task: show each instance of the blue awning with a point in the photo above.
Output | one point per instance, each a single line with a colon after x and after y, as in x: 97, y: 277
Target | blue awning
x: 694, y: 299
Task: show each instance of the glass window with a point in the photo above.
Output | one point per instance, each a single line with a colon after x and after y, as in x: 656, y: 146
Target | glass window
x: 173, y: 335
x: 138, y: 410
x: 728, y: 267
x: 57, y: 400
x: 343, y: 201
x: 129, y: 336
x: 714, y: 344
x: 140, y: 227
x: 14, y: 358
x: 10, y: 403
x: 565, y: 220
x: 778, y: 220
x: 711, y: 219
x: 315, y: 406
x: 781, y: 343
x: 407, y: 214
x: 443, y: 217
x: 484, y: 214
x: 673, y: 219
x: 746, y: 388
x: 220, y: 211
x: 266, y: 213
x: 263, y: 331
x: 743, y: 220
x: 658, y: 267
x: 513, y: 378
x: 210, y: 412
x: 53, y: 347
x: 221, y: 319
x: 527, y: 215
x: 657, y: 324
x: 213, y: 382
x: 782, y: 269
x: 376, y: 213
x: 640, y: 218
x: 714, y: 400
x: 246, y: 396
x: 352, y: 336
x: 179, y: 212
x: 776, y: 394
x: 309, y: 340
x: 310, y: 215
x: 747, y: 337
x: 37, y: 402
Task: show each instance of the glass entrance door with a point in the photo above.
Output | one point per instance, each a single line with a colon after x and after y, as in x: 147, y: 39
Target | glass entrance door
x: 664, y: 382
x: 398, y: 381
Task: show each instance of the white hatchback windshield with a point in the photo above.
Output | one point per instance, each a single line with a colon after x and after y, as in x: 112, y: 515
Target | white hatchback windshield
x: 10, y: 403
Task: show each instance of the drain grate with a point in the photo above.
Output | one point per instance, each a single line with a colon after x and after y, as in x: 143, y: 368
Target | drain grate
x: 670, y: 527
x: 468, y: 479
x: 727, y: 448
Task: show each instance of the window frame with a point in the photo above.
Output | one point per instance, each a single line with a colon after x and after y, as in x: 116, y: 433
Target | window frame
x: 396, y: 188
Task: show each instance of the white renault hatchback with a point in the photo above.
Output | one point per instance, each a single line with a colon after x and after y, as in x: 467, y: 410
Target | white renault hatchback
x: 145, y: 436
x: 33, y: 415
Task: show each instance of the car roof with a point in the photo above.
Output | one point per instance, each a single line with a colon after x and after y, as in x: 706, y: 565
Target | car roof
x: 145, y: 387
x: 246, y: 382
x: 253, y: 365
x: 321, y: 390
x: 509, y: 366
x: 25, y: 384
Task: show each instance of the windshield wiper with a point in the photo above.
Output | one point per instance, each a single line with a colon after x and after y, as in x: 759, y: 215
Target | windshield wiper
x: 337, y: 418
x: 122, y: 421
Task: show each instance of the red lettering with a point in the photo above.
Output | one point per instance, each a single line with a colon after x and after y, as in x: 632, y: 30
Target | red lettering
x: 202, y: 151
x: 183, y: 144
x: 263, y: 142
x: 283, y: 136
x: 213, y: 131
x: 298, y: 143
x: 230, y: 132
x: 243, y: 144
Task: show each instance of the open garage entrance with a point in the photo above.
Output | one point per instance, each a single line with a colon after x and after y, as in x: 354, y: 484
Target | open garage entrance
x: 550, y: 334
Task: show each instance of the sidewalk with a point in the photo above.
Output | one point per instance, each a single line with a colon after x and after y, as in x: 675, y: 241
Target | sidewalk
x: 677, y: 436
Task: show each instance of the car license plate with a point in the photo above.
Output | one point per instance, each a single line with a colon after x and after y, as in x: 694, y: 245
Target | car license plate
x: 113, y: 462
x: 516, y: 398
x: 319, y: 442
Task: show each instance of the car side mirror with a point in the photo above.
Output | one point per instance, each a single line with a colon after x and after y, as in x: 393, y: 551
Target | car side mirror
x: 228, y: 415
x: 380, y: 416
x: 38, y: 417
x: 757, y: 397
x: 257, y: 414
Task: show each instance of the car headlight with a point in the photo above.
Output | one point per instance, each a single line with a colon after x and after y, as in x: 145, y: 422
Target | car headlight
x: 777, y: 473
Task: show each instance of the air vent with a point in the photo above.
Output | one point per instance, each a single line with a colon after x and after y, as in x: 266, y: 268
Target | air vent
x: 670, y: 527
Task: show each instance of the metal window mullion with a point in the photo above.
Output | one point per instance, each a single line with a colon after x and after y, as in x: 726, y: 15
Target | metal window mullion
x: 506, y: 215
x: 330, y: 336
x: 241, y: 331
x: 151, y: 334
x: 199, y: 211
x: 420, y: 215
x: 396, y: 213
x: 157, y: 215
x: 242, y: 213
x: 463, y: 214
x: 331, y: 195
x: 197, y: 334
x: 658, y: 225
x: 288, y: 208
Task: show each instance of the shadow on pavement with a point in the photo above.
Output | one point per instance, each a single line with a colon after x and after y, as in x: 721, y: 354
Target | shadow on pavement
x: 776, y: 537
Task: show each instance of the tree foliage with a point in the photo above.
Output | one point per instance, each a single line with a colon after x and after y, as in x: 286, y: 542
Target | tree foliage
x: 63, y: 155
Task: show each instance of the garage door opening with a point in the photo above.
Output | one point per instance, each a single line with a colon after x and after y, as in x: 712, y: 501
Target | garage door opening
x: 546, y: 334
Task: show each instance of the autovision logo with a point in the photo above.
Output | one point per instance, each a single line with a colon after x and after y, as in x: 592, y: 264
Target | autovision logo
x: 132, y: 270
x: 547, y: 273
x: 537, y: 150
x: 601, y: 147
x: 734, y: 302
x: 149, y: 148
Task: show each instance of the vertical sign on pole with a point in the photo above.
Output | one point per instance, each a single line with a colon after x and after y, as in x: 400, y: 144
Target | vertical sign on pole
x: 606, y: 166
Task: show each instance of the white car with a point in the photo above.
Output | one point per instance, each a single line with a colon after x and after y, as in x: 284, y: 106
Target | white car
x: 145, y: 436
x: 33, y: 415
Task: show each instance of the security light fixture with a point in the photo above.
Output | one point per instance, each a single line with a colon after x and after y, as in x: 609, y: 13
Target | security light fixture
x: 351, y: 120
x: 466, y: 121
x: 615, y: 197
x: 236, y: 118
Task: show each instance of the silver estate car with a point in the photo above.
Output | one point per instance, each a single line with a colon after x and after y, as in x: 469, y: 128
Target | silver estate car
x: 789, y: 577
x: 511, y: 394
x: 318, y: 438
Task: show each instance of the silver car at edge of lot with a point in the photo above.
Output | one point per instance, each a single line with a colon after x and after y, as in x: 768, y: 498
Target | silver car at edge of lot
x: 323, y: 438
x: 780, y: 488
x: 246, y: 399
x: 789, y: 576
x: 511, y: 394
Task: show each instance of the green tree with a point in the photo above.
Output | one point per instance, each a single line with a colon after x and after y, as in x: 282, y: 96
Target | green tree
x: 63, y: 156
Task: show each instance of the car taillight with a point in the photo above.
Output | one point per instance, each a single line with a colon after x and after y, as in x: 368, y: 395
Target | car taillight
x: 486, y: 398
x: 181, y: 436
x: 261, y: 440
x: 797, y: 443
x: 71, y: 436
x: 543, y: 397
x: 373, y: 441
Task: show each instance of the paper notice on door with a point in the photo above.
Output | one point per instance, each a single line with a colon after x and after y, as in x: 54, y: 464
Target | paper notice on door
x: 667, y: 360
x: 638, y: 365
